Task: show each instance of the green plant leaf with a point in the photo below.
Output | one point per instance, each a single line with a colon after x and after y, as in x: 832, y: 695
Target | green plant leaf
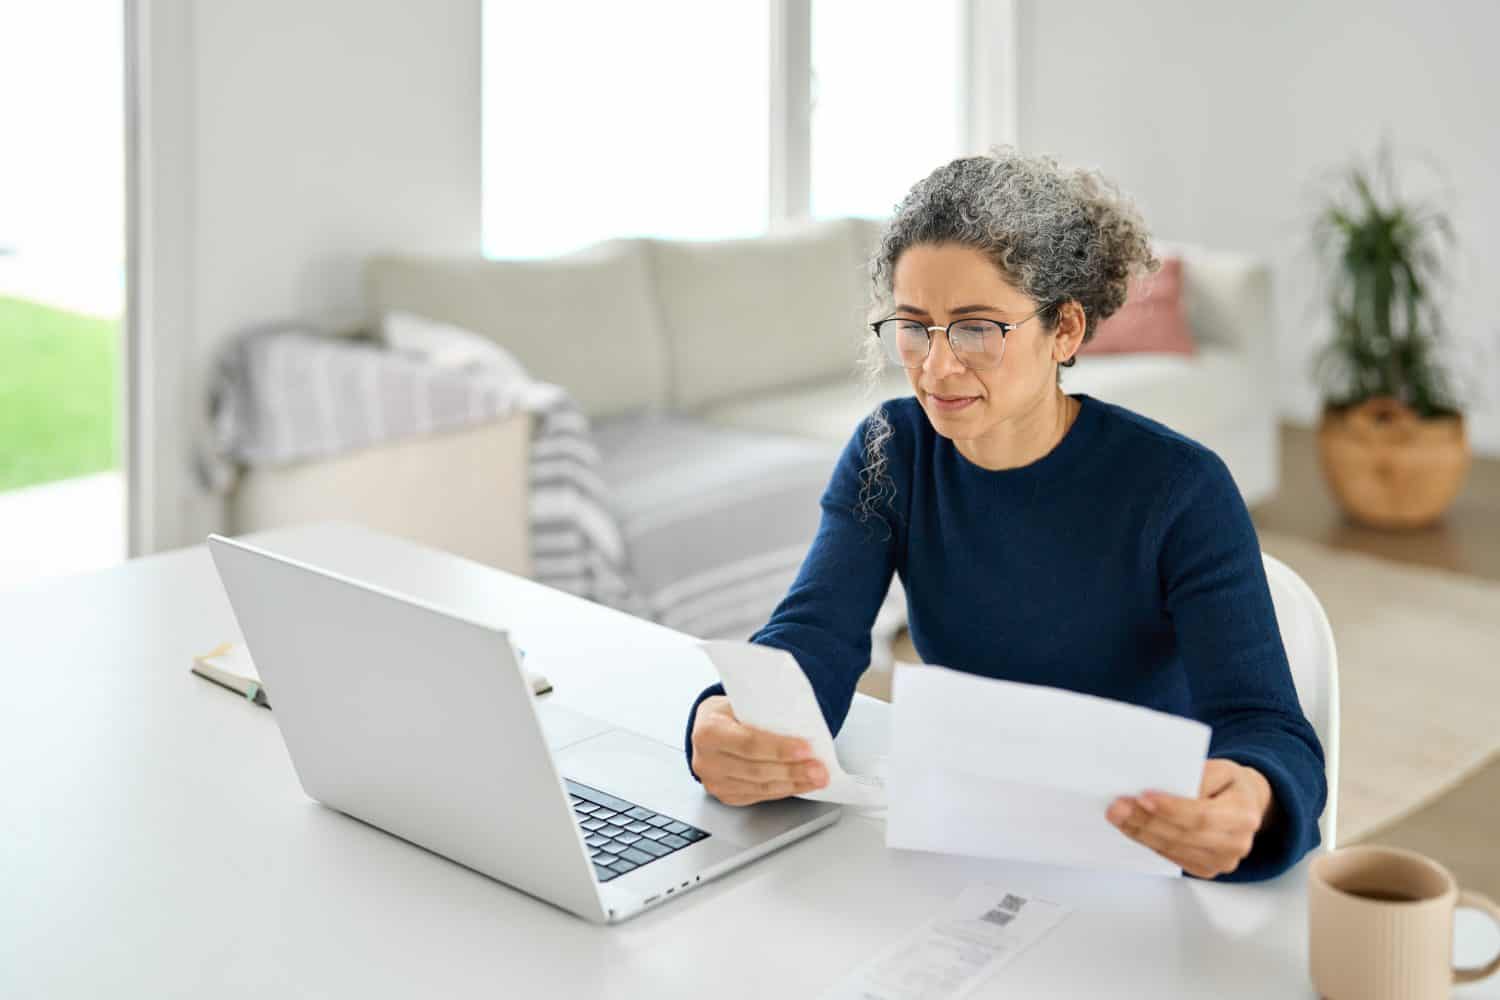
x: 1383, y: 256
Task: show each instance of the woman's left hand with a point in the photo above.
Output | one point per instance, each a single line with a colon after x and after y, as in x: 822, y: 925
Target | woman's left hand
x: 1207, y: 836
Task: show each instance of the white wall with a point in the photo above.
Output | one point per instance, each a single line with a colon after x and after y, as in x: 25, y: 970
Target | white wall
x: 282, y: 142
x: 1221, y: 120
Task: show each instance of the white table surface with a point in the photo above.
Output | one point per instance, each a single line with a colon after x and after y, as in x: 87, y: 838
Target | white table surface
x: 154, y: 840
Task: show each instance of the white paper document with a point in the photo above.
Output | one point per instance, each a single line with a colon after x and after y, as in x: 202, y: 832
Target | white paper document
x: 951, y: 955
x: 997, y: 769
x: 769, y: 691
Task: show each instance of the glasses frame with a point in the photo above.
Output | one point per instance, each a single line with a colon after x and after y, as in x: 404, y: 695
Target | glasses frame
x: 1005, y: 329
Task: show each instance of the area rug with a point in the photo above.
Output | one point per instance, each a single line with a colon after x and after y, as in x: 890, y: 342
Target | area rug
x: 1419, y: 678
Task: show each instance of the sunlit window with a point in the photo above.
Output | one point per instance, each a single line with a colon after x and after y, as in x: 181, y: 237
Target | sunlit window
x: 887, y: 103
x: 654, y: 118
x: 616, y: 119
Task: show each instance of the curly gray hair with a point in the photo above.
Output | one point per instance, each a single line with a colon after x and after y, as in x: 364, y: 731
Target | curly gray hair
x: 1059, y: 234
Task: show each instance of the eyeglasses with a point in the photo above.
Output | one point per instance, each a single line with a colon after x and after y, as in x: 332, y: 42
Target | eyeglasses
x: 978, y: 344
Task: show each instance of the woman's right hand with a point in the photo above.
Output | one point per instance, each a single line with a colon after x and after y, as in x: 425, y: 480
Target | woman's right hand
x: 740, y: 765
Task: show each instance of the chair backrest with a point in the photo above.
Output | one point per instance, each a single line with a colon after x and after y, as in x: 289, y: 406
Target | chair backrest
x: 1308, y: 639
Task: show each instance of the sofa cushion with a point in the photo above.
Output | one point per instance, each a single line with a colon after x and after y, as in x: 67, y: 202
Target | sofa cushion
x: 1153, y: 319
x: 829, y: 410
x: 717, y: 521
x: 746, y: 316
x: 1227, y: 296
x: 586, y: 321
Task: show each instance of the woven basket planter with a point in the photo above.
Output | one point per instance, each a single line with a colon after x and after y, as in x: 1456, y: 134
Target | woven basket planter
x: 1388, y: 467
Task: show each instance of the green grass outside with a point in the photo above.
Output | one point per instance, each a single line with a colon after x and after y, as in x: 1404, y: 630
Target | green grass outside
x: 58, y: 394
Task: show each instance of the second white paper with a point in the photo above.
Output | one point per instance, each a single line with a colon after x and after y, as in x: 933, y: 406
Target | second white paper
x: 997, y: 769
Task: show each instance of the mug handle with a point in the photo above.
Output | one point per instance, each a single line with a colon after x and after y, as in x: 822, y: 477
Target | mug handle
x: 1474, y: 901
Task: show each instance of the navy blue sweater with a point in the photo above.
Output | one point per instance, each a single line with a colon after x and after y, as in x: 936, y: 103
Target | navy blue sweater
x: 1122, y: 564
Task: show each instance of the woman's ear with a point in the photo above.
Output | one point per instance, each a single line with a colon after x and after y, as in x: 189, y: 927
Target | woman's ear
x: 1071, y: 323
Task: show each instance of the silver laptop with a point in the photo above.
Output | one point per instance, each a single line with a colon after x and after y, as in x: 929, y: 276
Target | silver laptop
x: 422, y: 723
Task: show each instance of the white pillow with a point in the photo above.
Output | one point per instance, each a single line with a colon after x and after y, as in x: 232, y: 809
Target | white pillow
x: 447, y: 346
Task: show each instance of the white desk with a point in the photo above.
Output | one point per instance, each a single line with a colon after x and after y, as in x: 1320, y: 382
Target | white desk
x: 154, y: 840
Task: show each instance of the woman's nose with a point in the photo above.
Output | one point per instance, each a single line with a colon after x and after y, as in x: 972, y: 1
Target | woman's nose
x: 940, y: 360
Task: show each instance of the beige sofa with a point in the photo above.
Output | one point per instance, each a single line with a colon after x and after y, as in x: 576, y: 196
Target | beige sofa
x: 756, y: 335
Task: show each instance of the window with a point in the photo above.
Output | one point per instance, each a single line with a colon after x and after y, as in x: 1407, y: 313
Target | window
x: 887, y: 101
x: 604, y: 119
x: 706, y: 120
x: 62, y: 287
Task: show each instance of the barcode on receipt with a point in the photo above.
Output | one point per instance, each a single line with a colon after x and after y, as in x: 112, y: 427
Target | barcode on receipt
x: 998, y: 917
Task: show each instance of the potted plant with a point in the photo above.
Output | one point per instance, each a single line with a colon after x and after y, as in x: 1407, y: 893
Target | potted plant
x: 1392, y: 441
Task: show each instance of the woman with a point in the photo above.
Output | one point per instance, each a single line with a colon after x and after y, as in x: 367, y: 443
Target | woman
x: 1041, y: 537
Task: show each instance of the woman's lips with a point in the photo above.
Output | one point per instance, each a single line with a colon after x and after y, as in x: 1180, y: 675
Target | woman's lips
x: 950, y: 404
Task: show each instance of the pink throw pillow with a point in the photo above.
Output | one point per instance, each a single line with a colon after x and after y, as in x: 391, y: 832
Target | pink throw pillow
x: 1153, y: 319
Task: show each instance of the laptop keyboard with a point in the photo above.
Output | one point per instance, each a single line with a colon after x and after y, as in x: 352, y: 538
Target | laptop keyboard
x: 623, y: 836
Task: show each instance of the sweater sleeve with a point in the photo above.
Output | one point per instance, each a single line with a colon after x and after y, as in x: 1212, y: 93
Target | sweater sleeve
x: 825, y: 619
x: 1216, y: 594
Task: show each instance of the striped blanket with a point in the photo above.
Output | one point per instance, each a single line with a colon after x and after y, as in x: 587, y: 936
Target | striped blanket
x: 286, y: 395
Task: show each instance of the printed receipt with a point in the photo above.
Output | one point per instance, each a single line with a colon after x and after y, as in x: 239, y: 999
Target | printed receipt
x: 769, y: 691
x: 950, y: 956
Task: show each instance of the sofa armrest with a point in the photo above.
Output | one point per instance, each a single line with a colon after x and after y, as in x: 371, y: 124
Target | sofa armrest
x: 465, y: 492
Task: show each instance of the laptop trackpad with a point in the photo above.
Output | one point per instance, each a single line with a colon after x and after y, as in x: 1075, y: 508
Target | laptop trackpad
x: 565, y: 727
x: 645, y: 772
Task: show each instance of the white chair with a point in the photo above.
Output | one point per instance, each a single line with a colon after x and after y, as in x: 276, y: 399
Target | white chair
x: 1308, y: 639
